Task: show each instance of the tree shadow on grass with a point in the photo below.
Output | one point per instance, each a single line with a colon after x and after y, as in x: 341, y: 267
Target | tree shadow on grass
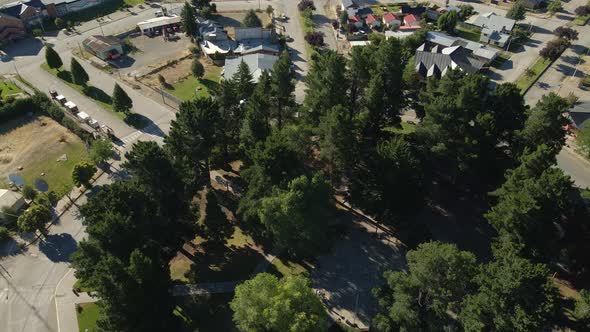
x: 65, y: 75
x: 221, y: 263
x: 97, y: 94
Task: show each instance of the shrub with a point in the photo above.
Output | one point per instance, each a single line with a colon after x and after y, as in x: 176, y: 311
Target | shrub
x: 306, y: 4
x: 29, y: 192
x: 4, y: 234
x: 567, y: 33
x: 582, y: 10
x: 315, y: 39
x: 59, y: 23
x: 162, y: 80
x: 554, y: 49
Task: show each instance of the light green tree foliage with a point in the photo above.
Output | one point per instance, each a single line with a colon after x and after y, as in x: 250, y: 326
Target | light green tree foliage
x: 34, y: 218
x: 298, y: 217
x: 423, y: 297
x: 582, y: 309
x: 266, y: 303
x: 583, y: 139
x: 101, y: 150
x: 513, y: 294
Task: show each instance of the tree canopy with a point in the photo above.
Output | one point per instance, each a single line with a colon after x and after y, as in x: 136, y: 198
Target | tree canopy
x: 82, y: 173
x: 424, y: 296
x: 517, y: 11
x: 121, y: 101
x: 266, y: 303
x: 52, y: 58
x: 79, y: 75
x: 251, y: 20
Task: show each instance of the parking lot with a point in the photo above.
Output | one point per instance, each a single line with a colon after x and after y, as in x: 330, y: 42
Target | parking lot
x: 151, y: 51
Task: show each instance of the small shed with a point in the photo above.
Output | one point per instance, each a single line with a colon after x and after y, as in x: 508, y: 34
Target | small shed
x: 104, y: 47
x: 11, y: 200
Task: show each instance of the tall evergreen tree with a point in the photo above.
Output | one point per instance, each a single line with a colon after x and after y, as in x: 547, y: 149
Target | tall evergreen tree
x: 326, y: 86
x: 52, y: 58
x: 282, y: 87
x: 423, y: 297
x: 389, y: 182
x: 513, y: 295
x: 546, y: 123
x: 188, y: 19
x: 358, y: 76
x: 251, y: 20
x: 121, y: 101
x: 192, y: 137
x: 337, y: 141
x: 79, y: 75
x: 533, y: 200
x: 244, y: 82
x: 256, y: 124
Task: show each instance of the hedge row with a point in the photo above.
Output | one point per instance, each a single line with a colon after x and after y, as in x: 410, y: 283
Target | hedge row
x: 42, y: 105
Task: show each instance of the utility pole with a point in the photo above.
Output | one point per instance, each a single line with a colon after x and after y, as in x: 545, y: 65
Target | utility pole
x: 100, y: 26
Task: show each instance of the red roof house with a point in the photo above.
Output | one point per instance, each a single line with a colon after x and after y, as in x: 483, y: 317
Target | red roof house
x: 391, y: 20
x: 372, y: 21
x: 411, y: 20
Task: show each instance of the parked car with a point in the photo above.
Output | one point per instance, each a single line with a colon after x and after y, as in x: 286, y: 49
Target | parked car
x: 159, y: 13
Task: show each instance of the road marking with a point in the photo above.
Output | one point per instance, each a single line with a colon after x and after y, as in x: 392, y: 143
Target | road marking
x: 55, y: 297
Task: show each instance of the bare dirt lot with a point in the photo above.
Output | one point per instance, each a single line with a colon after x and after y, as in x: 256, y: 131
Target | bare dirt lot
x: 234, y: 19
x: 35, y: 144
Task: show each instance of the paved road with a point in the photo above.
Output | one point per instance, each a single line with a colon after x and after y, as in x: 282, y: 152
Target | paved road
x: 575, y: 166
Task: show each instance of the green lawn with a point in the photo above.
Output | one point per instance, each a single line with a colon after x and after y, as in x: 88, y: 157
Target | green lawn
x: 102, y: 98
x: 525, y: 81
x: 88, y: 316
x: 581, y: 20
x: 233, y: 261
x: 406, y: 128
x: 378, y: 11
x: 283, y: 267
x: 133, y: 2
x: 469, y: 34
x: 8, y: 89
x: 58, y: 175
x: 186, y: 89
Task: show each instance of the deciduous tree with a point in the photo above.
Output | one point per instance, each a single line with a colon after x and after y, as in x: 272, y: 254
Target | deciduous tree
x: 266, y: 303
x: 82, y: 173
x: 34, y: 218
x: 517, y: 11
x: 448, y: 21
x: 546, y: 123
x: 101, y: 150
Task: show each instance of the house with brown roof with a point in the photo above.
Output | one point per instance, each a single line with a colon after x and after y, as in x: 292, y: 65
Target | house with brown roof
x: 372, y: 21
x: 391, y: 20
x: 104, y: 47
x: 11, y: 28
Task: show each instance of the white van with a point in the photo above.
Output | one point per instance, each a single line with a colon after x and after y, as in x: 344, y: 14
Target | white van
x: 159, y: 13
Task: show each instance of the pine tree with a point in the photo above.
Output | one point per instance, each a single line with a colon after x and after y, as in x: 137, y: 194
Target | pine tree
x: 197, y: 68
x: 282, y: 85
x: 79, y: 75
x: 52, y: 58
x: 121, y: 101
x: 244, y: 81
x: 188, y: 19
